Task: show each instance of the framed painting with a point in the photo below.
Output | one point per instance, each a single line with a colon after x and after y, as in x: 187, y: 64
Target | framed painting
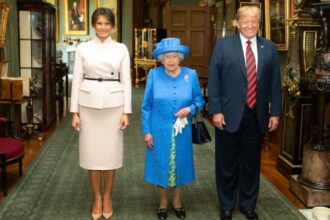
x: 76, y: 17
x: 292, y: 8
x: 258, y: 5
x: 115, y: 6
x: 276, y: 14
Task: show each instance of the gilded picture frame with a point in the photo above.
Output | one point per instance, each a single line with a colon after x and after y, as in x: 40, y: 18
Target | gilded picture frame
x: 4, y: 11
x: 76, y: 17
x: 115, y: 6
x: 276, y: 27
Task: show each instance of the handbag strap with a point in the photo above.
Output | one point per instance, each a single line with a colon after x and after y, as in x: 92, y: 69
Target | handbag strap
x: 198, y: 116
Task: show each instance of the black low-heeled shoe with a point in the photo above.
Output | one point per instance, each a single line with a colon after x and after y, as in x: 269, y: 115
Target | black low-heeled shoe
x: 162, y: 214
x: 251, y: 215
x: 226, y: 215
x: 180, y: 212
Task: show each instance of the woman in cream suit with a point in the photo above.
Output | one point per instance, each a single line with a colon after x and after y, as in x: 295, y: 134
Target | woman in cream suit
x: 100, y: 104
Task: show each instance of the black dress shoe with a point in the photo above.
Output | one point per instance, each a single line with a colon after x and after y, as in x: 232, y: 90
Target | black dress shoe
x: 180, y: 212
x: 226, y: 215
x: 162, y: 214
x: 251, y: 215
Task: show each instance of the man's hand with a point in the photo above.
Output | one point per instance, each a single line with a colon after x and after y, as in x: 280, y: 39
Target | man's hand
x: 219, y: 120
x: 273, y: 123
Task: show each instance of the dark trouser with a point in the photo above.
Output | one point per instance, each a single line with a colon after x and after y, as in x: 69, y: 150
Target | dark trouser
x: 237, y: 158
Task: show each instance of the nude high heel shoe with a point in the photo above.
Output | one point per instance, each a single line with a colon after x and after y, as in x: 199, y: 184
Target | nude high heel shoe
x: 107, y: 215
x: 96, y: 216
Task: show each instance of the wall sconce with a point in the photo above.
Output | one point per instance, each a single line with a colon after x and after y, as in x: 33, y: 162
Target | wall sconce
x: 4, y: 9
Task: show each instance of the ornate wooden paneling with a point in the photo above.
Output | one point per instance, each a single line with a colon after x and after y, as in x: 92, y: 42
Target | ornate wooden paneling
x: 192, y: 25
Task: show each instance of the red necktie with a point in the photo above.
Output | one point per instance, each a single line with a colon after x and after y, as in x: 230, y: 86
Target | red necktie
x: 251, y: 73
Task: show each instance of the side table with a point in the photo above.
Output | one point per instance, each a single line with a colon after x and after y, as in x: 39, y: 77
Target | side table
x: 144, y: 64
x: 17, y: 113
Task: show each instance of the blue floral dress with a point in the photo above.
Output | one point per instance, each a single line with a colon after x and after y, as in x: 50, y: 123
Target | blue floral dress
x: 170, y: 161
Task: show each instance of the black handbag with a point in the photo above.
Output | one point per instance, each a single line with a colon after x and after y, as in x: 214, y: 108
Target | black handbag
x: 200, y: 134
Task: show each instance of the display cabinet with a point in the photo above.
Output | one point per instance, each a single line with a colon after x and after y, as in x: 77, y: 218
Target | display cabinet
x: 276, y: 15
x: 297, y: 101
x: 37, y: 58
x: 145, y: 43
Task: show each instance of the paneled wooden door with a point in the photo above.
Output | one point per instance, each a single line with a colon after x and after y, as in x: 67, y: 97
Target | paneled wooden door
x: 192, y: 25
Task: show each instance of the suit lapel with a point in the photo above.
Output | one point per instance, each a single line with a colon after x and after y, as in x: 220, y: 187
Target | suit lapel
x: 240, y: 53
x: 261, y: 49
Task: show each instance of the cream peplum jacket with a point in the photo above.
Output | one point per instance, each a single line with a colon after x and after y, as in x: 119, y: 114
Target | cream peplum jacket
x: 101, y: 60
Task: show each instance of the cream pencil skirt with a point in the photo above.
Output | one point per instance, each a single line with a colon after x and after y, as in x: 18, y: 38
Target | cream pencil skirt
x: 100, y: 139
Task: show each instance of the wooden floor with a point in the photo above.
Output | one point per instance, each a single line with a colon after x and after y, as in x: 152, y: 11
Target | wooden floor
x: 268, y: 168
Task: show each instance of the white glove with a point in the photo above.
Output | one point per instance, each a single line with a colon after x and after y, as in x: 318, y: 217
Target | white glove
x: 184, y: 121
x: 179, y: 125
x: 176, y: 126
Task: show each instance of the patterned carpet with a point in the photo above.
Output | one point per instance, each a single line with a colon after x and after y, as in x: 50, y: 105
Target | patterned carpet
x: 55, y: 187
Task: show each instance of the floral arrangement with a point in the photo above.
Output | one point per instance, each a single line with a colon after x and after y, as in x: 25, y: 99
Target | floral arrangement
x: 74, y: 41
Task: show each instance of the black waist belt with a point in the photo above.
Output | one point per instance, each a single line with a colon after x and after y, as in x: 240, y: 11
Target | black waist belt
x: 101, y: 79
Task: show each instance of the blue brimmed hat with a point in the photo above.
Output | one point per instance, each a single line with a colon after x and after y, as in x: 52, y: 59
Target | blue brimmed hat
x: 170, y: 45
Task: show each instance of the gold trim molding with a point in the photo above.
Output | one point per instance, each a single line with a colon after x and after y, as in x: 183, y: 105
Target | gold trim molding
x: 4, y: 10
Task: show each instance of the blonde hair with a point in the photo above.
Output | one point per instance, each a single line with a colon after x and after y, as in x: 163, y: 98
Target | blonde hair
x: 248, y: 10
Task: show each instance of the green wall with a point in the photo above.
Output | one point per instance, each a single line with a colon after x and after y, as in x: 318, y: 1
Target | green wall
x: 126, y: 26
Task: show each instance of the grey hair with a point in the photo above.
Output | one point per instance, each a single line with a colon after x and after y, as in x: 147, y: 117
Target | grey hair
x: 161, y: 56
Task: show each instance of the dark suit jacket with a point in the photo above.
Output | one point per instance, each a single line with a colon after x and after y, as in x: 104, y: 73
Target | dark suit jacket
x: 227, y: 82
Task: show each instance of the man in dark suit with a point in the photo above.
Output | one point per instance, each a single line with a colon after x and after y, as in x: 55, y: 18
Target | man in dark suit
x: 245, y: 103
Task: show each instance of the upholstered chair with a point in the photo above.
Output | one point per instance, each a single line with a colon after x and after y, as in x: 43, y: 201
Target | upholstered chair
x: 12, y: 150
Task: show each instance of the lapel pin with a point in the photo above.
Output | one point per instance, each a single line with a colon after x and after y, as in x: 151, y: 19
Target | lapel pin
x: 186, y: 78
x: 262, y: 46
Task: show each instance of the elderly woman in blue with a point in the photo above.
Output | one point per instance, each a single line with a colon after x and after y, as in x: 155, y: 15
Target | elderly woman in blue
x: 172, y: 96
